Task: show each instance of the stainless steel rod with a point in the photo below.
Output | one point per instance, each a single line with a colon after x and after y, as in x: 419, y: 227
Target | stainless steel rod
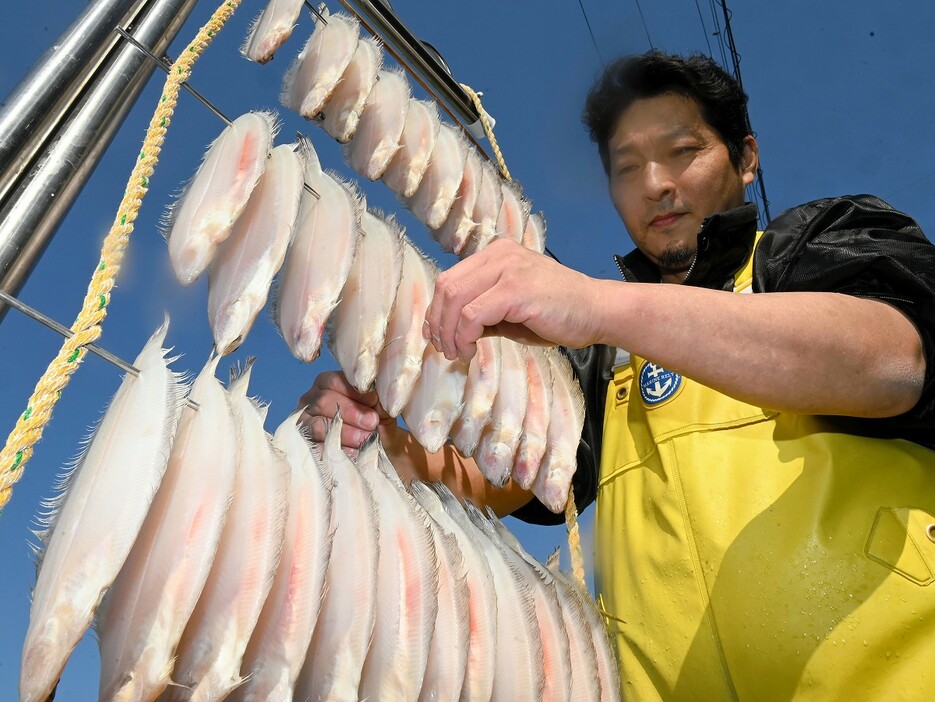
x: 35, y: 210
x: 36, y: 107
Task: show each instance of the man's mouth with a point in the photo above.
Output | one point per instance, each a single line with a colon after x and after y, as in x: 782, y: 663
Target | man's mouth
x: 665, y: 220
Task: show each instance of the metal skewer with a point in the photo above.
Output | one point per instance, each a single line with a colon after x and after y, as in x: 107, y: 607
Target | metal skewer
x: 35, y: 314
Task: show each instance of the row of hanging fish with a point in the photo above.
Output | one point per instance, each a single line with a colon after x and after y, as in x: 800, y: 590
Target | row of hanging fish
x: 351, y: 275
x: 219, y: 562
x: 339, y: 80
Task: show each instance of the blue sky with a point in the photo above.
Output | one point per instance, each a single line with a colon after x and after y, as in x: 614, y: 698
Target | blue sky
x: 841, y: 98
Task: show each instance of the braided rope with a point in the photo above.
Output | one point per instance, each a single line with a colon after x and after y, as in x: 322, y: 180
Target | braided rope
x: 87, y: 326
x: 488, y: 130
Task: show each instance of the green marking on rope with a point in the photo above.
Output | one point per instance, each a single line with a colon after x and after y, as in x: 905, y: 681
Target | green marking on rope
x: 73, y: 356
x: 164, y: 98
x: 27, y: 414
x: 192, y: 48
x: 142, y: 155
x: 102, y: 266
x: 17, y: 460
x: 144, y: 182
x: 123, y: 220
x: 163, y: 122
x: 102, y: 301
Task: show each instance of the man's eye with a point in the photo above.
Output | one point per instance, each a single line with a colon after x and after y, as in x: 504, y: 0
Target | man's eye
x: 626, y: 169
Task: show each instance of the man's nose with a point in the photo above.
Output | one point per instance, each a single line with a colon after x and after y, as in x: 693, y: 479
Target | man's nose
x: 657, y: 181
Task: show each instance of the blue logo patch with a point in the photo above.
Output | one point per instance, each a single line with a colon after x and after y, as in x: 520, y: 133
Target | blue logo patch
x: 657, y: 384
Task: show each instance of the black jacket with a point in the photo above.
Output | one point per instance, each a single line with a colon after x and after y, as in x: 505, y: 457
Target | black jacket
x: 856, y: 245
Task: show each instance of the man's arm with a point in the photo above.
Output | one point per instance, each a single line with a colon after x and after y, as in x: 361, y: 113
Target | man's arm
x: 820, y: 353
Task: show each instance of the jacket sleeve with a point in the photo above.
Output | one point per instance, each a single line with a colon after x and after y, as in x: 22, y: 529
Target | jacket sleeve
x: 591, y: 366
x: 859, y: 245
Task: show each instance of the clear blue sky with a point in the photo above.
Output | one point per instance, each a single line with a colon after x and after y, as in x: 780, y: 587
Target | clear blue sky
x: 841, y: 98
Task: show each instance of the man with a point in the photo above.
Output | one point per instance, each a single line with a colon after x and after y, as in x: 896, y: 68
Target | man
x: 763, y: 464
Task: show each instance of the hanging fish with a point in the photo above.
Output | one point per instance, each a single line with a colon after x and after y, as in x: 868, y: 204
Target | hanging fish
x: 348, y: 612
x: 556, y: 652
x: 561, y: 455
x: 407, y: 585
x: 483, y: 381
x: 534, y: 234
x: 94, y: 520
x: 318, y: 260
x: 381, y: 125
x: 342, y: 112
x: 271, y: 29
x: 218, y: 193
x: 514, y: 212
x: 400, y: 361
x: 607, y: 672
x: 405, y: 170
x: 209, y: 655
x: 280, y: 640
x: 436, y: 399
x: 240, y: 276
x: 143, y: 615
x: 519, y: 673
x: 313, y: 76
x: 534, y: 439
x: 486, y: 211
x: 432, y: 201
x: 500, y: 437
x: 482, y: 608
x: 357, y: 329
x: 457, y: 227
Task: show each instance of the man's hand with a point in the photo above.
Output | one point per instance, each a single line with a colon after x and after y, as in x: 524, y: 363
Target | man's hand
x: 511, y: 291
x: 362, y: 412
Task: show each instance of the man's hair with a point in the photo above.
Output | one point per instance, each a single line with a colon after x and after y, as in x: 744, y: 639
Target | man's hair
x: 720, y: 98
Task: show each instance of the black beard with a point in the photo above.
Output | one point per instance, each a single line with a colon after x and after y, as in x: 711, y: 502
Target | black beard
x: 676, y: 258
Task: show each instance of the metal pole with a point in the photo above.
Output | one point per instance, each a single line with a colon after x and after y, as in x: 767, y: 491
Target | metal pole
x: 35, y: 108
x: 34, y: 211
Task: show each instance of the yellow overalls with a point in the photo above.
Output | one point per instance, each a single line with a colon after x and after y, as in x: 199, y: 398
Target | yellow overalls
x: 748, y: 554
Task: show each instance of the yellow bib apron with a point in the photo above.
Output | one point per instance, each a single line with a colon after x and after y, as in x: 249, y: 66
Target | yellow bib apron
x: 755, y: 555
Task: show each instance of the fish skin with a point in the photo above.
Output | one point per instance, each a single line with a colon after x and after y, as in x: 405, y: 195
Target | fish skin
x: 407, y: 585
x: 280, y: 640
x: 519, y: 664
x: 436, y: 399
x: 400, y: 361
x: 314, y: 75
x: 381, y: 125
x: 357, y: 329
x: 271, y: 29
x: 218, y: 192
x: 445, y: 510
x: 556, y: 650
x: 514, y: 212
x: 405, y: 170
x: 318, y: 260
x: 209, y: 655
x: 534, y: 439
x: 534, y: 233
x: 585, y: 675
x: 457, y: 227
x: 483, y: 382
x: 499, y: 439
x: 486, y: 211
x: 339, y: 643
x: 561, y: 455
x: 89, y: 533
x: 342, y: 113
x: 436, y: 193
x: 241, y: 274
x: 143, y: 615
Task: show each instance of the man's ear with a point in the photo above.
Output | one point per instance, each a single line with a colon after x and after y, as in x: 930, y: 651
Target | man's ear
x: 750, y: 160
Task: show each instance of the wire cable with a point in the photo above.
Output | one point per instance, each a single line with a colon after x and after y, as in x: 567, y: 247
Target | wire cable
x: 591, y: 32
x: 703, y: 27
x: 645, y: 28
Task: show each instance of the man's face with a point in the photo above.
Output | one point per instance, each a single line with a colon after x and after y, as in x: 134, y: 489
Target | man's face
x: 668, y: 171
